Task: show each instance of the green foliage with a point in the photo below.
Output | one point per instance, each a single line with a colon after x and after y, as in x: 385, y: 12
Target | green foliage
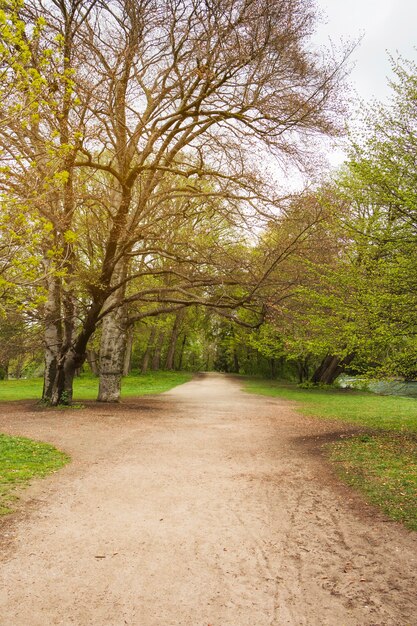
x: 358, y: 295
x: 22, y: 233
x: 267, y: 341
x: 21, y: 460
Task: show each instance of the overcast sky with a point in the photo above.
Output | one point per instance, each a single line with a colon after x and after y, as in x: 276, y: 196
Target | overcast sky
x: 386, y: 25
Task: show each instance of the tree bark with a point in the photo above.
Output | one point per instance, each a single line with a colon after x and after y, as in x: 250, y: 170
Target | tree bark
x: 176, y: 329
x: 149, y: 350
x: 93, y: 361
x: 303, y: 369
x: 128, y: 352
x: 113, y: 340
x: 52, y: 339
x: 156, y: 359
x: 330, y: 368
x: 63, y: 390
x: 235, y: 361
x: 4, y: 370
x: 184, y: 341
x: 112, y: 354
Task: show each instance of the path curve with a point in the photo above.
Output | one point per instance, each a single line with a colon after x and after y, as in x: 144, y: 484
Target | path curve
x: 205, y: 506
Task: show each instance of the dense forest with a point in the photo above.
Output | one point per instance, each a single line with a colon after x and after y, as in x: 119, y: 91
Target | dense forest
x: 146, y: 221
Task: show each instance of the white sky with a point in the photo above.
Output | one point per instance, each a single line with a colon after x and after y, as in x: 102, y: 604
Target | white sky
x: 386, y: 26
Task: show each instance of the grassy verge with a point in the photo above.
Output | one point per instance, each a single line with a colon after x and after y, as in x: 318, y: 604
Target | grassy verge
x: 86, y: 387
x: 21, y: 460
x: 364, y: 409
x: 384, y: 468
x: 381, y: 462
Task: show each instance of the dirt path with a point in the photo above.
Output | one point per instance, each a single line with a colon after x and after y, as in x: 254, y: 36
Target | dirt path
x: 203, y: 506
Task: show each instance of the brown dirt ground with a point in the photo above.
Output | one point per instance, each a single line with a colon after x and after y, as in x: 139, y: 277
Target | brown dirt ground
x: 204, y: 506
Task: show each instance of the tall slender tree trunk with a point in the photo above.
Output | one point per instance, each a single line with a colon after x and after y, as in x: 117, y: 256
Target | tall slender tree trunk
x: 176, y: 329
x: 235, y: 361
x: 156, y: 359
x: 52, y: 339
x: 62, y: 358
x: 128, y: 351
x: 93, y: 361
x: 184, y: 341
x: 302, y: 369
x: 149, y: 350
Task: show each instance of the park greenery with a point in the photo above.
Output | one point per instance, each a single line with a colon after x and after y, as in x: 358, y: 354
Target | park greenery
x: 136, y: 195
x: 145, y: 226
x: 138, y: 228
x: 21, y: 460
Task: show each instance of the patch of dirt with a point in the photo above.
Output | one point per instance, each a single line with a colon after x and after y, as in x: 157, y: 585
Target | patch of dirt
x: 202, y: 506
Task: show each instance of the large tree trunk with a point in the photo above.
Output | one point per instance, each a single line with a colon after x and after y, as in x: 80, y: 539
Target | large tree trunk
x: 72, y: 357
x: 112, y: 354
x: 156, y: 359
x: 113, y: 341
x: 66, y: 338
x: 176, y: 329
x: 149, y: 350
x: 63, y: 389
x: 330, y: 368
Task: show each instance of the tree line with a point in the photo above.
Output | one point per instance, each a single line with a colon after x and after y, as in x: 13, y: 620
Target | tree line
x: 138, y: 216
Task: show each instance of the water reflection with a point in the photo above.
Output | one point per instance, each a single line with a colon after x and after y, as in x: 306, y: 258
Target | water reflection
x: 382, y: 387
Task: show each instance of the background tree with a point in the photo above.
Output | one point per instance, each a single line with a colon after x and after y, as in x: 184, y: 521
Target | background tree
x: 357, y: 305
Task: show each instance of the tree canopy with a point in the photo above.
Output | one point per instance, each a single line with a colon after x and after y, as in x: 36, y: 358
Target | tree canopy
x: 137, y: 140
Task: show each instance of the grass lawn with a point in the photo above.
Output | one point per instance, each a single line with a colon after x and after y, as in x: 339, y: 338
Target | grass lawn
x: 382, y: 461
x: 21, y: 460
x: 86, y: 387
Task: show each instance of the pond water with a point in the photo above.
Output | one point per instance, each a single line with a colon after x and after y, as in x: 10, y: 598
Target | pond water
x: 382, y: 387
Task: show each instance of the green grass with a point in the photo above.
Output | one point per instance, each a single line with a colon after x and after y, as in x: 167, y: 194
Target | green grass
x: 21, y: 460
x: 391, y: 413
x: 382, y: 461
x: 384, y: 468
x: 86, y: 387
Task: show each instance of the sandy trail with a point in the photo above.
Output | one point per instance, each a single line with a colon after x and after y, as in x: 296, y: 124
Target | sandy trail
x: 203, y: 506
